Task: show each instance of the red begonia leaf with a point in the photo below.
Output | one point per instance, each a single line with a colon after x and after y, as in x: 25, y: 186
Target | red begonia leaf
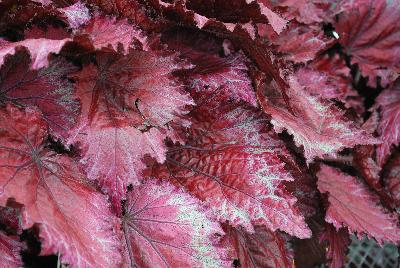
x: 264, y: 248
x: 212, y: 72
x: 352, y: 205
x: 338, y: 241
x: 322, y: 129
x: 47, y: 88
x: 330, y: 78
x: 39, y: 50
x: 105, y: 32
x: 232, y: 164
x: 74, y: 219
x: 10, y: 251
x: 367, y: 167
x: 127, y: 102
x: 391, y: 178
x: 303, y: 187
x: 166, y: 227
x: 306, y: 11
x: 389, y: 124
x: 372, y: 39
x: 301, y: 44
x: 76, y: 14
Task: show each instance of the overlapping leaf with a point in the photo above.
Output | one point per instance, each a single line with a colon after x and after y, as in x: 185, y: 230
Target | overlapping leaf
x: 39, y: 50
x: 322, y: 129
x: 47, y: 89
x: 389, y: 125
x: 105, y: 32
x: 127, y: 103
x: 370, y: 33
x: 338, y: 241
x: 10, y: 248
x: 211, y: 72
x: 74, y: 219
x: 392, y: 178
x: 355, y: 208
x: 261, y: 249
x: 166, y: 227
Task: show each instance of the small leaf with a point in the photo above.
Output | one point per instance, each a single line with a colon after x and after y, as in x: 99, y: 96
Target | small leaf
x: 389, y: 124
x: 338, y: 241
x: 105, y: 32
x: 353, y: 206
x: 261, y: 249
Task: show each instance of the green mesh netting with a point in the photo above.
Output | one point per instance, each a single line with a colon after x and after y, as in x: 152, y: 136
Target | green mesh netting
x: 367, y: 253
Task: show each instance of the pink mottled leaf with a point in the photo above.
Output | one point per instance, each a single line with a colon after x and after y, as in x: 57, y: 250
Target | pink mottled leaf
x: 370, y: 33
x: 76, y: 14
x: 389, y: 124
x: 39, y: 50
x: 322, y: 129
x: 166, y: 227
x: 47, y: 89
x: 106, y: 32
x: 10, y: 251
x: 73, y: 218
x: 352, y: 205
x: 330, y: 78
x: 127, y: 103
x: 264, y: 248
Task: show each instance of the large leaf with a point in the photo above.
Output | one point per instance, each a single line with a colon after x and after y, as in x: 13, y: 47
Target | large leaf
x: 234, y: 165
x: 10, y: 251
x: 74, y: 219
x: 127, y: 103
x: 370, y: 33
x: 166, y: 227
x: 39, y: 50
x: 322, y: 129
x: 261, y: 249
x: 353, y: 206
x: 48, y: 89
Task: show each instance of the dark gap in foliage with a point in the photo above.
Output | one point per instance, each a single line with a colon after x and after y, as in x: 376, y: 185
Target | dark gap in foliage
x: 30, y: 256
